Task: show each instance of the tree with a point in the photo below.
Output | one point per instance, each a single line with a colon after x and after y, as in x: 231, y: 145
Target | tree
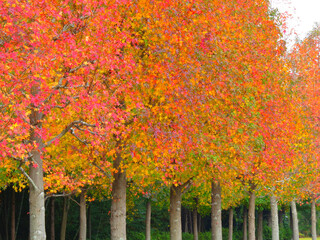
x: 305, y: 69
x: 49, y: 63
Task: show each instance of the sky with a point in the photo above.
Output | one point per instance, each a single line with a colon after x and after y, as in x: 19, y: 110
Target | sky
x: 304, y: 14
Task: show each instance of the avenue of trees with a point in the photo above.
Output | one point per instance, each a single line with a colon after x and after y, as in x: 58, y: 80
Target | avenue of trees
x: 192, y: 105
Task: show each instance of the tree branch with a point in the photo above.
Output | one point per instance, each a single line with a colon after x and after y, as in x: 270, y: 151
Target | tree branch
x: 81, y: 129
x: 187, y: 185
x: 75, y: 201
x: 104, y: 172
x: 29, y: 178
x: 77, y: 137
x: 64, y: 86
x: 58, y: 195
x: 67, y: 129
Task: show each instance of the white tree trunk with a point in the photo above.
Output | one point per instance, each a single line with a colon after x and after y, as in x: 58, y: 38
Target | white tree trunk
x: 175, y: 213
x: 119, y: 195
x: 36, y: 189
x: 230, y: 224
x: 148, y: 220
x: 274, y: 218
x: 313, y: 220
x: 216, y: 224
x: 83, y: 217
x: 295, y: 224
x: 251, y: 216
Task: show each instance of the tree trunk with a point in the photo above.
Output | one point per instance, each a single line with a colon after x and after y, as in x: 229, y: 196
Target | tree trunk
x: 251, y: 216
x: 64, y: 218
x: 83, y: 217
x: 89, y: 222
x: 291, y: 224
x: 186, y: 222
x: 295, y: 224
x: 274, y: 218
x: 7, y: 215
x: 313, y: 220
x: 190, y: 221
x: 195, y: 223
x: 13, y: 215
x: 20, y: 210
x: 52, y: 229
x: 230, y: 224
x: 118, y: 204
x: 281, y: 214
x: 245, y: 223
x: 148, y: 220
x: 36, y: 189
x: 260, y: 225
x: 269, y: 219
x: 36, y: 200
x: 216, y: 224
x: 175, y: 213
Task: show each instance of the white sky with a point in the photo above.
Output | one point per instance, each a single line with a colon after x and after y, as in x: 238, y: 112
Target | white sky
x: 304, y: 14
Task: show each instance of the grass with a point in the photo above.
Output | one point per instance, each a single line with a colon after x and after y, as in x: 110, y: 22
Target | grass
x: 308, y: 238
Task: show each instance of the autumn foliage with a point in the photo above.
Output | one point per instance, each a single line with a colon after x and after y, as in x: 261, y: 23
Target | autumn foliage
x: 95, y: 93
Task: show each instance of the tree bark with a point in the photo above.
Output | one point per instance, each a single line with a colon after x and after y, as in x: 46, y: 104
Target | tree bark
x: 83, y: 217
x: 52, y: 228
x: 199, y: 223
x: 36, y: 189
x: 295, y: 224
x: 118, y: 204
x: 269, y: 219
x: 190, y: 221
x: 64, y: 218
x: 281, y: 214
x: 148, y: 220
x: 251, y: 216
x: 260, y: 225
x: 291, y: 224
x: 89, y: 222
x: 216, y: 224
x: 36, y: 200
x: 274, y: 218
x: 175, y: 213
x: 195, y: 223
x: 245, y: 223
x: 313, y: 220
x: 5, y: 215
x: 20, y: 209
x: 186, y: 223
x: 230, y: 224
x: 13, y: 215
